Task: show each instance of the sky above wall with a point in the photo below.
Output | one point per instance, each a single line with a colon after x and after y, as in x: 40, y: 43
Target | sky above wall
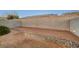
x: 25, y: 13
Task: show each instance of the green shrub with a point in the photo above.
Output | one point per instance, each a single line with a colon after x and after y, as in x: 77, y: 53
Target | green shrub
x: 4, y: 30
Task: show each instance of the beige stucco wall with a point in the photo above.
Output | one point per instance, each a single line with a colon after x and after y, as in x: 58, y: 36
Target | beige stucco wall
x: 74, y: 26
x: 46, y: 22
x: 12, y: 23
x: 9, y: 23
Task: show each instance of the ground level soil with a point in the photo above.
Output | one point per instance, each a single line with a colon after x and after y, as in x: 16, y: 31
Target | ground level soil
x: 16, y: 38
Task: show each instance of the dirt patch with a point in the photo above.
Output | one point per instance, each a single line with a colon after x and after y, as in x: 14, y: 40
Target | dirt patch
x: 35, y: 38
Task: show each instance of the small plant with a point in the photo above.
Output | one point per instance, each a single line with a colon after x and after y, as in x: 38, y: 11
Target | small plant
x: 9, y: 17
x: 4, y: 30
